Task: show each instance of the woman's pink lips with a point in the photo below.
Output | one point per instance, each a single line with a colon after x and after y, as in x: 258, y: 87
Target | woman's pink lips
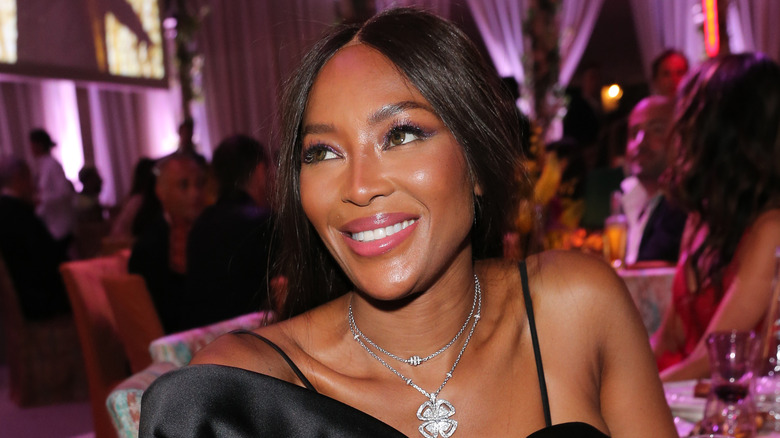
x: 373, y: 222
x: 379, y: 246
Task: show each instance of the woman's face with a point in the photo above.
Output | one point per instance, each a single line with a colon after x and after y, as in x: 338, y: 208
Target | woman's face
x: 383, y: 180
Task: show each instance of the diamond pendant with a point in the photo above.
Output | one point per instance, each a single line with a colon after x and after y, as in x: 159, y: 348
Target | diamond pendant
x: 434, y: 415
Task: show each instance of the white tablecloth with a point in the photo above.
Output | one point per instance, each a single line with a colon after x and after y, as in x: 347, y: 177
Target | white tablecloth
x: 687, y: 409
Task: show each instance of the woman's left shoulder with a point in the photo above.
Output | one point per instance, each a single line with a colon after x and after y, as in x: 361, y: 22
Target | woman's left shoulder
x: 566, y: 282
x: 767, y: 225
x: 564, y: 272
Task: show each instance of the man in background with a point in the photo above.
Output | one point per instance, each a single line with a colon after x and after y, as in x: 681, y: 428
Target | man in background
x: 229, y: 245
x: 159, y: 254
x: 654, y: 226
x: 186, y: 144
x: 28, y: 249
x: 55, y: 192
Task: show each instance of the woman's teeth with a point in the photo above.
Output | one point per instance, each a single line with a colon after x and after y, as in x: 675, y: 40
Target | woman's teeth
x: 381, y: 233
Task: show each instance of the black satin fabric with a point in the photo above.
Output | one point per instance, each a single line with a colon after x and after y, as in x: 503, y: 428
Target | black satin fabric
x: 566, y: 430
x: 220, y: 401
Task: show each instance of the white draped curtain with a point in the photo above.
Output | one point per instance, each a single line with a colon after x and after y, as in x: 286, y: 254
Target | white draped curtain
x: 668, y: 24
x: 753, y: 27
x: 500, y: 23
x: 249, y: 47
x: 577, y: 21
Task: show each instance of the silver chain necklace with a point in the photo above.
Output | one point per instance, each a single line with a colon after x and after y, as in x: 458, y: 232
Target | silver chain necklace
x: 415, y: 359
x: 435, y: 412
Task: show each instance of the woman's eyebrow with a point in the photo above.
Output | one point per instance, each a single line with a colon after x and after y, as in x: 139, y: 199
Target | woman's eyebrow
x: 378, y: 116
x: 317, y: 128
x: 393, y: 109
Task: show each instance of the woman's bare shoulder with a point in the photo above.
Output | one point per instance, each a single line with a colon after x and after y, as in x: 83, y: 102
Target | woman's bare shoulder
x: 243, y: 350
x: 580, y: 289
x: 766, y: 227
x: 565, y: 271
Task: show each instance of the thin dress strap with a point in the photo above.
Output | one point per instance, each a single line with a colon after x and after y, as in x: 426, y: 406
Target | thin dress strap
x: 284, y: 355
x: 529, y: 310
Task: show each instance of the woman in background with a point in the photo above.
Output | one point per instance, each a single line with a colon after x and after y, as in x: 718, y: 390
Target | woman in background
x: 398, y: 153
x: 727, y: 175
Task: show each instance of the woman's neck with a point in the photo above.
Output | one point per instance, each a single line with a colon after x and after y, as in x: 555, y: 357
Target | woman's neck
x: 422, y: 323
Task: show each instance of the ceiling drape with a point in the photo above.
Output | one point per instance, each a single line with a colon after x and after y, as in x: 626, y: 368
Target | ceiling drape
x: 753, y: 27
x: 249, y: 47
x: 500, y: 23
x: 667, y: 24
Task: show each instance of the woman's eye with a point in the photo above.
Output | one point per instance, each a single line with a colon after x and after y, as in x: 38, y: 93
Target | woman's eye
x: 318, y: 153
x: 404, y: 134
x: 398, y: 138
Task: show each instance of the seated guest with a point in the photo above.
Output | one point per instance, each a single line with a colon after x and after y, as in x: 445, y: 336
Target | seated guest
x: 28, y: 249
x: 726, y: 172
x: 159, y: 254
x: 91, y: 226
x: 227, y: 250
x: 88, y: 207
x: 654, y: 225
x: 123, y: 225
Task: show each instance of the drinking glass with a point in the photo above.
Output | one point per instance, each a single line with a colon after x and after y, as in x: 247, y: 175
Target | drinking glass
x: 614, y: 240
x: 730, y: 409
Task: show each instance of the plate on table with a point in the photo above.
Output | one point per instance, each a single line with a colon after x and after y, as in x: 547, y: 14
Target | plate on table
x: 683, y: 403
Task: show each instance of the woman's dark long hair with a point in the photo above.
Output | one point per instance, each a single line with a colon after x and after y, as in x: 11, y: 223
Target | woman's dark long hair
x: 440, y: 61
x: 727, y: 168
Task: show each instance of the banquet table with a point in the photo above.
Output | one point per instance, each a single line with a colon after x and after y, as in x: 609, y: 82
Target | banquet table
x: 651, y: 289
x: 687, y: 409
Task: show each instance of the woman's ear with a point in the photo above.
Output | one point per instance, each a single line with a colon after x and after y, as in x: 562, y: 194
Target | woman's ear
x: 477, y: 189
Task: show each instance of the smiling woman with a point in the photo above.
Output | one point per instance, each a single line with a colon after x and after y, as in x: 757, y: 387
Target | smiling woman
x: 396, y: 171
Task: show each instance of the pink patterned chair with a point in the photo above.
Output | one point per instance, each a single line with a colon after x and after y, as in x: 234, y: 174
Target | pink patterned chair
x: 168, y: 353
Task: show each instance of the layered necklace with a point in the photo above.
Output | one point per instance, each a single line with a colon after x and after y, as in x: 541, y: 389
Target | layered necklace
x: 435, y: 412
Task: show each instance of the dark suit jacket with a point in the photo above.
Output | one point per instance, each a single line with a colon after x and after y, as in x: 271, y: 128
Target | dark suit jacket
x: 32, y: 257
x: 663, y: 233
x: 227, y: 260
x: 150, y: 259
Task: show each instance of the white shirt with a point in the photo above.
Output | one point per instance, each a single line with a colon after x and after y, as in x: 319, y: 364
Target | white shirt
x: 638, y: 206
x: 55, y: 194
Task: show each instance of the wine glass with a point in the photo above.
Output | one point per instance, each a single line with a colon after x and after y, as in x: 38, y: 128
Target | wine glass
x: 730, y: 409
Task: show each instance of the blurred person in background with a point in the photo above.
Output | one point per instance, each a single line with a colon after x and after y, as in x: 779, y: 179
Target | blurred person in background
x: 159, y: 253
x: 131, y: 209
x: 668, y: 70
x: 726, y: 174
x: 88, y: 207
x: 655, y: 226
x: 91, y: 225
x: 228, y: 247
x: 31, y: 254
x: 55, y: 191
x: 186, y: 144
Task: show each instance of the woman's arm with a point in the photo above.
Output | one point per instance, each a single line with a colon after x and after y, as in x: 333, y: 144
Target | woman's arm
x: 632, y: 397
x: 745, y: 302
x: 605, y: 349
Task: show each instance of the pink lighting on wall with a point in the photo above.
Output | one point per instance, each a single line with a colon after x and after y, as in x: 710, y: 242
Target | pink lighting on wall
x: 711, y: 31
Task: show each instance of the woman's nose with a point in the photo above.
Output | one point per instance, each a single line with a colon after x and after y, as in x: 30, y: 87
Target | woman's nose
x: 365, y: 179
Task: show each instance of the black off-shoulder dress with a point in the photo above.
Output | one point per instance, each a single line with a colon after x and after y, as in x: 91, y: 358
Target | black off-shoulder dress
x: 221, y: 401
